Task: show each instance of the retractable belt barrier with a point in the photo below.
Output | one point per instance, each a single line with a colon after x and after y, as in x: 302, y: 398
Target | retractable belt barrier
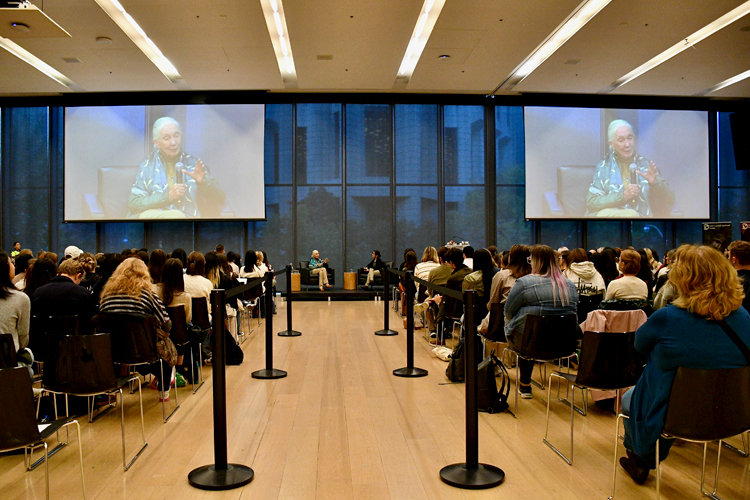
x: 289, y: 332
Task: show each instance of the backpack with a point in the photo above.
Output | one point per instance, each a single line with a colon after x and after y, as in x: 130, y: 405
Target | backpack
x: 489, y: 399
x: 234, y: 356
x: 455, y: 369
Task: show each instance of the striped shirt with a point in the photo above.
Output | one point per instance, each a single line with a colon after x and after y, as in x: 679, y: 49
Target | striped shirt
x: 147, y: 303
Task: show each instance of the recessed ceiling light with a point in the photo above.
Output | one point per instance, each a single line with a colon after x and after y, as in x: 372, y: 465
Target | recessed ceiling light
x: 20, y: 27
x: 444, y: 56
x: 572, y: 62
x: 103, y: 40
x: 745, y: 28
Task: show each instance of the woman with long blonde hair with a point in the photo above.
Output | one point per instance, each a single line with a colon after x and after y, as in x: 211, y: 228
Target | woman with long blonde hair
x: 129, y: 291
x: 687, y: 333
x: 545, y: 291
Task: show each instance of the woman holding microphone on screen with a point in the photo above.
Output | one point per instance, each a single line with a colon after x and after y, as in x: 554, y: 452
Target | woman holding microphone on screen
x: 171, y: 183
x: 626, y: 184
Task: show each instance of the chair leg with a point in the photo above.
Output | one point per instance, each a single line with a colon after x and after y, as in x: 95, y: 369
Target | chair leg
x: 80, y: 453
x: 546, y: 430
x: 745, y: 451
x: 617, y: 443
x: 705, y: 493
x: 46, y: 470
x: 658, y: 470
x: 127, y: 465
x: 169, y: 390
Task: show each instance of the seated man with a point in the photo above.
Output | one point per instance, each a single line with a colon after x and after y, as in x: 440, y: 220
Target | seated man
x: 626, y: 184
x: 373, y: 268
x: 63, y: 296
x: 449, y: 307
x: 172, y: 184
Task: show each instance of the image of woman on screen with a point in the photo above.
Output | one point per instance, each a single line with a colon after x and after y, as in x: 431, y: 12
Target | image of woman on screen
x: 172, y: 184
x: 626, y: 184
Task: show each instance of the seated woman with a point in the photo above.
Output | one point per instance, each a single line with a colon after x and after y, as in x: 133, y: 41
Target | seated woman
x: 171, y: 291
x: 628, y: 286
x: 319, y: 267
x: 517, y: 267
x: 429, y: 262
x: 374, y: 267
x: 589, y: 282
x: 15, y: 309
x: 686, y: 333
x: 196, y: 285
x: 543, y: 292
x: 129, y: 291
x: 481, y: 281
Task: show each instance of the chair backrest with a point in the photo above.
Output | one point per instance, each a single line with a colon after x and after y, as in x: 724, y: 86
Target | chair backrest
x: 133, y: 337
x: 17, y: 420
x: 304, y: 264
x: 7, y: 351
x: 178, y: 333
x: 549, y: 337
x: 114, y: 187
x: 609, y: 360
x: 38, y: 337
x: 573, y: 183
x: 588, y: 303
x: 79, y: 364
x: 706, y: 405
x: 64, y: 325
x: 200, y: 313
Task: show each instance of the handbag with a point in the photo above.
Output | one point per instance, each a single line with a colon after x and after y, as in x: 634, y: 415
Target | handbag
x: 165, y: 347
x: 456, y: 364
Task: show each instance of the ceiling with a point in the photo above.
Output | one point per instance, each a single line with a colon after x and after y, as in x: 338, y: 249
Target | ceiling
x: 225, y: 45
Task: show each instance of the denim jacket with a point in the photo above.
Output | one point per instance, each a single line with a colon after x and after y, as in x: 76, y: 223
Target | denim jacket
x: 533, y: 295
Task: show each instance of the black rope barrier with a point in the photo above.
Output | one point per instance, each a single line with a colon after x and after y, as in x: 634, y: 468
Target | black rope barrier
x: 409, y: 370
x: 289, y: 332
x: 471, y: 474
x: 386, y: 331
x: 269, y: 372
x: 220, y: 475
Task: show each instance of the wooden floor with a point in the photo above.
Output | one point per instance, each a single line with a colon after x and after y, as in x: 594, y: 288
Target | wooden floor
x: 342, y: 426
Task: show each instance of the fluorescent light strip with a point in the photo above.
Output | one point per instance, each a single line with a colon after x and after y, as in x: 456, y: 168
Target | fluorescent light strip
x: 37, y: 63
x: 131, y: 28
x: 685, y: 43
x: 273, y: 10
x: 575, y: 21
x: 422, y: 30
x: 726, y: 83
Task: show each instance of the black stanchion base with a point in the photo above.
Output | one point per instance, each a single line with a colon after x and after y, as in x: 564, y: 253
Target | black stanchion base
x: 269, y: 374
x: 386, y: 333
x: 209, y: 478
x: 290, y: 333
x: 410, y: 372
x: 485, y: 476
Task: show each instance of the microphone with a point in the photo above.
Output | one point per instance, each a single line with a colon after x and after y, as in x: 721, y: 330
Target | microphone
x: 179, y: 178
x: 633, y: 177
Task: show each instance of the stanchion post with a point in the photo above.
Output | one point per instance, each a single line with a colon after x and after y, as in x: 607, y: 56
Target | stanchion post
x: 410, y: 370
x: 471, y: 474
x: 289, y: 332
x: 220, y: 475
x: 386, y: 331
x: 269, y: 372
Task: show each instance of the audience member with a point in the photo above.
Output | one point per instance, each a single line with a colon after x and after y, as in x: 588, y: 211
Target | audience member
x: 739, y: 257
x: 64, y: 297
x: 628, y: 286
x: 687, y: 334
x: 517, y: 267
x: 156, y: 265
x: 41, y: 272
x: 89, y: 267
x: 196, y: 284
x: 21, y: 263
x: 179, y: 253
x: 15, y: 313
x: 469, y: 256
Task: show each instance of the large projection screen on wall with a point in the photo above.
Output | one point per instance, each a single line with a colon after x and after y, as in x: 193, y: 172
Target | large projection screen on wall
x: 656, y: 164
x: 206, y: 162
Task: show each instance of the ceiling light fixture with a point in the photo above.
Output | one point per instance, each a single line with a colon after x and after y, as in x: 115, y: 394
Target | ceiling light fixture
x: 575, y: 21
x: 422, y: 30
x: 37, y: 63
x: 273, y: 10
x: 727, y: 83
x: 684, y: 44
x: 131, y: 28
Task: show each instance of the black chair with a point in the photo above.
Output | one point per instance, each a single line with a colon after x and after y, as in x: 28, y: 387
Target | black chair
x: 200, y: 319
x: 180, y: 337
x: 586, y: 304
x: 704, y: 406
x: 545, y: 339
x: 82, y: 365
x: 307, y: 278
x: 608, y: 361
x: 134, y: 343
x: 18, y: 427
x: 378, y: 279
x: 7, y: 351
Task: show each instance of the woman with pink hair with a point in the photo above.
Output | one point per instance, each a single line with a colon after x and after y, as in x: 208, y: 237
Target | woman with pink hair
x: 543, y: 292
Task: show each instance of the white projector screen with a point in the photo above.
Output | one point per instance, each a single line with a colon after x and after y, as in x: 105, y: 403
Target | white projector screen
x: 206, y: 162
x: 652, y: 163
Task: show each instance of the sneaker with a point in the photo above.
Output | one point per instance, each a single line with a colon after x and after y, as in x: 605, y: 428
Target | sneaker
x: 163, y: 396
x: 421, y: 307
x: 433, y: 335
x: 154, y: 383
x: 637, y: 473
x: 525, y: 391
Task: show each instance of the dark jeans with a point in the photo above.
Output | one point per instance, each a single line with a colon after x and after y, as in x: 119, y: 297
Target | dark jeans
x: 155, y: 369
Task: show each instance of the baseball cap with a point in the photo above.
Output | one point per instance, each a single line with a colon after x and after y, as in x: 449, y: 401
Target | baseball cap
x: 73, y: 252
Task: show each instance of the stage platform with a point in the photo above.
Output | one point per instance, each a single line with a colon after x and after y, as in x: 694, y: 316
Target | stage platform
x: 337, y: 293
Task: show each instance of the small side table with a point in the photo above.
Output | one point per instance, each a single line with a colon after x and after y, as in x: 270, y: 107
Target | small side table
x: 296, y: 282
x: 350, y: 281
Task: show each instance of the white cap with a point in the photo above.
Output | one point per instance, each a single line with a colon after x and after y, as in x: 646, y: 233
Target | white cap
x: 73, y: 252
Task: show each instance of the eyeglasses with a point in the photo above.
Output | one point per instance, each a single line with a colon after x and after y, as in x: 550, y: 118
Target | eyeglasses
x: 528, y: 259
